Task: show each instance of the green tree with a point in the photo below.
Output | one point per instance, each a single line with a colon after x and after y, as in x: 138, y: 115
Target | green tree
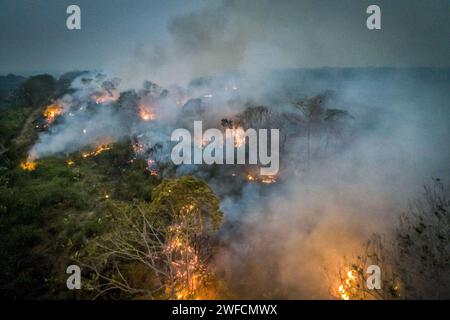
x: 158, y: 249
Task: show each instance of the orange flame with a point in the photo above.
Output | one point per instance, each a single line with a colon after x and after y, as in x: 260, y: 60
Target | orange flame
x: 28, y: 165
x: 345, y: 287
x: 97, y: 151
x: 268, y: 179
x: 146, y: 112
x: 51, y: 112
x: 189, y: 272
x: 238, y: 136
x: 146, y: 115
x: 103, y: 97
x: 262, y: 179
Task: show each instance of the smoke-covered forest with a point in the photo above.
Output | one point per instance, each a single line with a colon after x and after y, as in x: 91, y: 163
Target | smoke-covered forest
x: 86, y: 179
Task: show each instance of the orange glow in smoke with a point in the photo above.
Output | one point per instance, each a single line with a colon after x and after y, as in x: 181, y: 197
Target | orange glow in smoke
x: 28, y: 165
x: 103, y: 97
x: 146, y: 112
x: 238, y: 136
x: 51, y: 112
x: 346, y: 286
x: 97, y: 151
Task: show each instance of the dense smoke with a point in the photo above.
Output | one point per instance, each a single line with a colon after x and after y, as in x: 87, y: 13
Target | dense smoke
x: 288, y: 240
x: 278, y: 239
x: 252, y: 36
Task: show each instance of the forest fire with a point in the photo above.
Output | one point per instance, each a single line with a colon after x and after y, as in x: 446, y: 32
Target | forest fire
x: 345, y: 287
x: 268, y: 179
x: 146, y: 112
x: 238, y: 136
x: 262, y: 179
x: 28, y: 165
x: 51, y: 112
x: 186, y: 266
x: 147, y: 115
x: 152, y: 167
x: 97, y: 151
x: 235, y: 150
x: 104, y: 97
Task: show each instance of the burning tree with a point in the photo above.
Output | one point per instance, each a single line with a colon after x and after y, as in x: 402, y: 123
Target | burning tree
x: 51, y: 112
x: 157, y: 250
x: 353, y: 275
x: 415, y: 261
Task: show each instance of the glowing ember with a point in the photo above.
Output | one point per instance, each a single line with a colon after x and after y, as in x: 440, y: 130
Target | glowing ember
x: 152, y: 167
x: 187, y: 208
x: 70, y: 162
x: 186, y: 266
x: 346, y: 286
x: 153, y: 172
x: 51, y: 112
x: 138, y: 148
x: 262, y: 179
x: 28, y: 165
x: 104, y: 97
x: 268, y: 179
x: 238, y: 136
x: 147, y: 115
x: 146, y: 112
x: 97, y: 151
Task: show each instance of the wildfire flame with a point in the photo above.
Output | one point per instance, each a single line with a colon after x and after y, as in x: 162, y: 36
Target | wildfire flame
x: 28, y: 165
x: 103, y: 97
x: 238, y: 136
x: 147, y: 115
x: 51, y: 112
x: 97, y: 151
x: 146, y: 112
x: 190, y: 273
x: 138, y: 148
x: 346, y: 285
x: 186, y: 266
x: 152, y: 167
x: 268, y: 179
x: 262, y: 179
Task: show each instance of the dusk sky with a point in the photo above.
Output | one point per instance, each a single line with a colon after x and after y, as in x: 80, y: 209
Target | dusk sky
x: 217, y: 35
